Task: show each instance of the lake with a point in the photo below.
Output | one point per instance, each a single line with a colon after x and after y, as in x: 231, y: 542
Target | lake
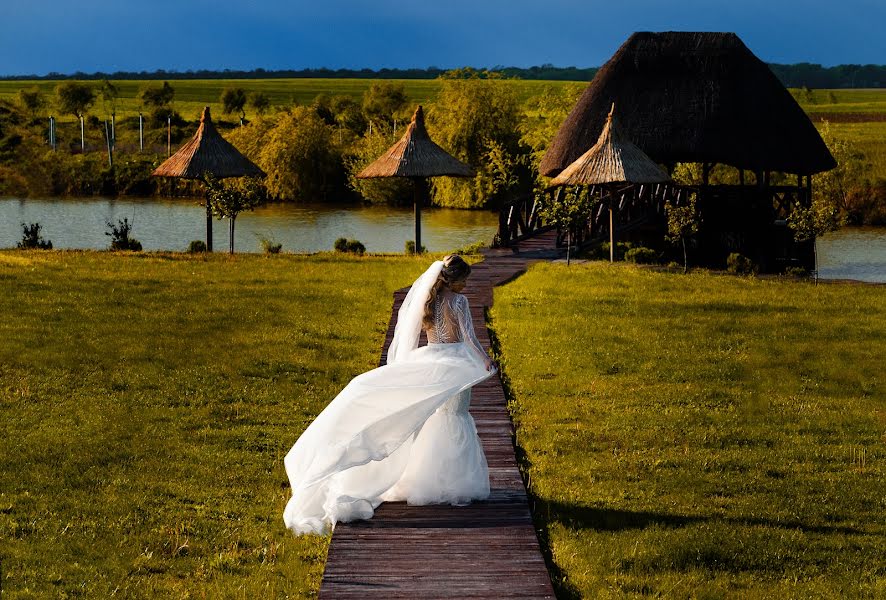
x: 170, y: 224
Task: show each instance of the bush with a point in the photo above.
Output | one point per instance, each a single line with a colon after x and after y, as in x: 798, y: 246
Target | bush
x: 351, y: 246
x: 196, y: 246
x: 740, y: 264
x: 641, y: 256
x: 409, y: 246
x: 474, y: 248
x: 120, y: 236
x: 270, y: 246
x: 801, y: 272
x: 31, y: 238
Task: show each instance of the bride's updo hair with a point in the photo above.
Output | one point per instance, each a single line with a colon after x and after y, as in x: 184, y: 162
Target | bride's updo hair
x: 455, y: 270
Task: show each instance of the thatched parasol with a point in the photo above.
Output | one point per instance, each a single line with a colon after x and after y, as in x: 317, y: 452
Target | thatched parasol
x: 417, y: 157
x: 207, y: 152
x: 694, y: 97
x: 612, y: 160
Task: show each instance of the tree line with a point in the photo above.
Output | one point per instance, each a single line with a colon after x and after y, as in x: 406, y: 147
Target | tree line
x: 810, y: 75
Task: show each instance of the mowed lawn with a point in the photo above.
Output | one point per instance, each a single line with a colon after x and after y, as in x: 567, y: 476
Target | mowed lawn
x: 147, y: 402
x: 700, y: 436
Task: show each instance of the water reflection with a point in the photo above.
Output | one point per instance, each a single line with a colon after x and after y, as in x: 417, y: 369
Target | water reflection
x: 853, y: 253
x: 164, y: 224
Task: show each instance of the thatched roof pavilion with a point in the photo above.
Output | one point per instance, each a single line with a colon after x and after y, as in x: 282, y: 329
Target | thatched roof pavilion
x: 207, y: 152
x: 694, y: 97
x: 416, y: 155
x: 613, y: 159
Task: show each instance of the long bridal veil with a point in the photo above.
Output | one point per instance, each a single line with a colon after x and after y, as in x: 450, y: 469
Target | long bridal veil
x: 354, y: 453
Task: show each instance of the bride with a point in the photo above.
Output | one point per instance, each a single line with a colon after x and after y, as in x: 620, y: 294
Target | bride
x: 401, y: 431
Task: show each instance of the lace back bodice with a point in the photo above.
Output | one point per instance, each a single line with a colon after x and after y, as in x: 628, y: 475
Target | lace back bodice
x: 453, y: 323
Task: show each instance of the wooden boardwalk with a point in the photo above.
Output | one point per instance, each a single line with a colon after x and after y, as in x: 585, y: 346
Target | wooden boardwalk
x: 486, y: 550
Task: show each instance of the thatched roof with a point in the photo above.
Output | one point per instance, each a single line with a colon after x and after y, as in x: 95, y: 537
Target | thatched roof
x: 613, y: 159
x: 207, y: 152
x: 415, y: 155
x: 694, y: 97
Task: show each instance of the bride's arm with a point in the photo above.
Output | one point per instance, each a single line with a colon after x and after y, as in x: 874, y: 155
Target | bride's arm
x: 466, y: 330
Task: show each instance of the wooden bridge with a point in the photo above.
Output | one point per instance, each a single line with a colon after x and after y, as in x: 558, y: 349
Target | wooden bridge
x: 488, y: 549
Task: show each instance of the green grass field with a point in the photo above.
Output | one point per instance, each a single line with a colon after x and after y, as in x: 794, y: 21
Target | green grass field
x: 192, y: 95
x: 700, y: 436
x: 146, y: 404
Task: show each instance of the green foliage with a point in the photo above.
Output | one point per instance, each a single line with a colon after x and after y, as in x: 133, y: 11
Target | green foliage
x: 830, y: 191
x: 233, y: 100
x: 260, y: 102
x: 227, y: 200
x: 567, y: 207
x: 739, y: 264
x: 866, y: 205
x: 641, y: 256
x: 197, y: 246
x: 409, y: 247
x: 384, y: 102
x: 799, y: 272
x: 683, y: 222
x: 544, y: 114
x: 73, y: 98
x: 300, y: 157
x: 155, y: 97
x: 349, y: 246
x: 388, y: 190
x: 109, y: 94
x: 478, y: 121
x: 688, y: 437
x: 33, y: 100
x: 31, y: 238
x: 121, y: 236
x: 269, y: 246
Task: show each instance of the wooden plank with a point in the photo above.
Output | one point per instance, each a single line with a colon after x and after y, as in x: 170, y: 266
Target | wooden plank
x: 487, y: 549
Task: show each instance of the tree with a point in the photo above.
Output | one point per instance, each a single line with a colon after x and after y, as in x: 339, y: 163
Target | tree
x: 831, y: 192
x: 157, y: 97
x: 388, y: 190
x: 233, y: 100
x: 259, y: 102
x: 73, y: 98
x: 384, y: 102
x: 479, y: 120
x: 109, y: 94
x: 568, y: 208
x: 683, y: 222
x: 299, y: 156
x: 227, y: 200
x: 32, y: 100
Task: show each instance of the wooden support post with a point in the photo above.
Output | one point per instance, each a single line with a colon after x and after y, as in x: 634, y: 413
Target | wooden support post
x: 418, y: 184
x: 741, y: 177
x: 141, y: 132
x: 82, y: 135
x: 611, y: 229
x: 108, y: 142
x: 168, y: 136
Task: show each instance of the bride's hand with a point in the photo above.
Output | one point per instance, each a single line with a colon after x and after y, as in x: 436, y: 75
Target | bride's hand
x: 490, y: 366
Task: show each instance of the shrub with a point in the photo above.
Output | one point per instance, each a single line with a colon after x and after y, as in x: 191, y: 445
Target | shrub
x: 474, y: 248
x: 740, y: 264
x: 270, y: 246
x: 796, y: 272
x: 641, y: 256
x: 351, y: 246
x: 31, y: 238
x: 409, y: 246
x: 197, y: 246
x: 120, y: 236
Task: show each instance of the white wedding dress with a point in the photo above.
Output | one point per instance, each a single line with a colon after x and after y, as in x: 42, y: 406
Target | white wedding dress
x: 401, y: 431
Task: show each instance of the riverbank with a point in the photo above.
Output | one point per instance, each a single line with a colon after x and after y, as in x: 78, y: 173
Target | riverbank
x: 146, y: 404
x: 699, y: 435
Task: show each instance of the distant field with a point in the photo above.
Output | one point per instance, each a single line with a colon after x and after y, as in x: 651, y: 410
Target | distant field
x: 858, y: 114
x: 192, y: 95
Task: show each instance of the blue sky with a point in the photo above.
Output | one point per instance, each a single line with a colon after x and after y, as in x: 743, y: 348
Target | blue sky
x: 39, y: 36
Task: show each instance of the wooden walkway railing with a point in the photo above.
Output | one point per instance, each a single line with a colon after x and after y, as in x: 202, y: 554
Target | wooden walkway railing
x: 488, y: 549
